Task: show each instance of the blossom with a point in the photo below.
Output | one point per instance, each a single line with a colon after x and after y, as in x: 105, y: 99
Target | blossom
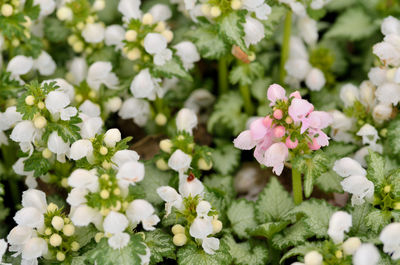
x: 349, y: 94
x: 171, y: 197
x: 355, y: 181
x: 315, y: 79
x: 160, y: 12
x: 188, y: 54
x: 186, y: 120
x: 114, y: 35
x: 254, y: 31
x: 259, y: 7
x: 156, y: 45
x: 3, y: 249
x: 101, y: 73
x: 115, y: 223
x: 141, y: 211
x: 130, y: 9
x: 144, y: 85
x: 366, y: 254
x: 369, y: 134
x: 179, y: 161
x: 57, y: 103
x: 136, y: 109
x: 57, y: 145
x: 390, y: 237
x: 276, y: 92
x: 130, y: 173
x: 78, y: 70
x: 93, y: 32
x: 339, y: 223
x: 44, y: 64
x: 19, y: 65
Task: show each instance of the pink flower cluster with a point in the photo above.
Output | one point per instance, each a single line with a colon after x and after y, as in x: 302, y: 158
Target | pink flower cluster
x: 293, y: 125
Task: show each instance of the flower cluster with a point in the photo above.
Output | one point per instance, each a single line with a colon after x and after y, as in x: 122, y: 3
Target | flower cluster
x: 293, y: 125
x: 200, y: 220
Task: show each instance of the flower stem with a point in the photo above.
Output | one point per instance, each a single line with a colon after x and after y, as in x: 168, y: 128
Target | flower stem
x: 223, y: 75
x: 248, y: 105
x: 296, y: 184
x: 285, y: 45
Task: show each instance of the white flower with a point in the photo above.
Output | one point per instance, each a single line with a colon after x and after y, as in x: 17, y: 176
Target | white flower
x: 388, y: 93
x: 367, y: 254
x: 136, y: 109
x: 203, y: 208
x: 93, y: 32
x: 160, y: 12
x: 3, y: 249
x: 188, y: 54
x: 130, y: 9
x: 313, y: 258
x: 144, y: 85
x: 315, y: 79
x: 369, y: 134
x: 57, y: 145
x: 156, y: 45
x: 347, y: 167
x: 118, y: 241
x: 186, y: 120
x: 349, y: 94
x: 189, y: 186
x: 44, y: 64
x: 115, y: 223
x: 64, y: 87
x: 210, y: 245
x: 101, y: 73
x: 46, y: 7
x: 201, y: 227
x: 179, y: 161
x: 112, y: 137
x: 142, y: 211
x: 90, y: 126
x: 9, y: 118
x: 341, y: 125
x: 34, y: 198
x: 80, y: 149
x: 33, y: 249
x: 57, y: 102
x: 113, y: 104
x: 77, y: 197
x: 297, y: 67
x: 390, y: 237
x: 171, y: 197
x: 34, y: 206
x: 23, y: 132
x: 114, y: 35
x: 382, y: 112
x: 83, y: 215
x: 130, y: 173
x: 78, y: 69
x: 19, y: 65
x: 339, y: 223
x: 82, y: 178
x: 259, y: 7
x: 308, y: 30
x: 377, y: 75
x: 123, y: 156
x: 351, y: 245
x: 390, y: 25
x: 254, y: 31
x: 367, y: 94
x: 387, y: 52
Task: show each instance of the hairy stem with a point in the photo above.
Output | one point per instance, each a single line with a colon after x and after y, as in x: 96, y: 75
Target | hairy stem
x: 297, y: 187
x: 285, y: 45
x: 248, y: 105
x: 223, y: 75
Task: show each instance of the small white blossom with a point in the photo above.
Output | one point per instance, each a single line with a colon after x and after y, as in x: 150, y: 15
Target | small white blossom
x: 254, y: 31
x: 367, y: 254
x: 179, y: 161
x: 136, y: 109
x: 339, y: 223
x: 349, y: 93
x: 142, y: 211
x: 93, y: 32
x: 186, y: 120
x: 101, y: 73
x: 369, y: 134
x: 390, y: 237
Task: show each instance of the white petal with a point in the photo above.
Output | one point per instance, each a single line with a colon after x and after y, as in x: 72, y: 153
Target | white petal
x: 93, y: 33
x: 186, y: 120
x: 315, y: 79
x: 81, y: 149
x: 56, y: 101
x: 210, y: 245
x: 366, y: 254
x: 20, y: 65
x: 112, y: 137
x: 149, y: 222
x: 101, y: 73
x: 77, y: 197
x: 130, y: 173
x: 123, y: 156
x: 114, y: 35
x: 83, y: 215
x: 254, y: 31
x: 143, y: 85
x: 56, y: 144
x: 34, y: 248
x: 115, y: 223
x: 160, y: 12
x: 45, y: 64
x: 348, y: 167
x: 179, y: 161
x: 78, y: 69
x: 24, y: 131
x: 339, y: 223
x: 390, y: 237
x: 155, y: 43
x: 137, y: 109
x: 9, y: 118
x: 90, y: 127
x: 119, y: 240
x: 34, y: 198
x: 130, y: 9
x: 138, y: 210
x: 201, y: 227
x: 19, y: 235
x: 29, y: 216
x: 192, y: 187
x: 82, y: 178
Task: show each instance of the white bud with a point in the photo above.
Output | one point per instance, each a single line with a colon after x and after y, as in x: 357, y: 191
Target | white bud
x: 161, y: 119
x: 217, y: 226
x: 205, y: 9
x: 114, y: 104
x: 351, y: 245
x: 313, y: 258
x: 382, y: 112
x: 39, y: 122
x: 131, y: 35
x: 236, y: 4
x: 178, y: 229
x: 111, y: 137
x: 168, y: 35
x: 55, y: 240
x: 46, y: 153
x: 64, y: 13
x: 30, y: 100
x: 147, y: 19
x: 52, y: 207
x: 99, y: 5
x: 161, y: 164
x: 69, y: 229
x: 75, y: 246
x: 349, y: 93
x: 133, y: 54
x: 179, y: 240
x: 60, y: 256
x: 103, y: 150
x: 57, y: 222
x: 166, y: 145
x: 215, y: 11
x: 7, y: 10
x: 203, y: 165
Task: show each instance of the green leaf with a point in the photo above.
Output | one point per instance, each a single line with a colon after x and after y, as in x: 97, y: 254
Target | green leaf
x: 231, y: 28
x: 354, y: 24
x: 154, y: 178
x: 84, y: 234
x: 78, y: 260
x: 273, y: 203
x: 170, y: 69
x: 129, y: 255
x: 312, y: 167
x: 245, y: 74
x: 301, y: 250
x: 225, y: 158
x: 221, y: 183
x: 376, y: 168
x: 269, y: 229
x: 208, y: 42
x: 191, y: 254
x: 376, y: 220
x: 241, y: 214
x: 297, y: 234
x: 160, y: 244
x: 393, y: 136
x: 37, y: 163
x: 247, y: 254
x: 55, y: 31
x: 330, y: 182
x: 67, y: 130
x: 359, y: 216
x: 339, y: 149
x: 316, y: 215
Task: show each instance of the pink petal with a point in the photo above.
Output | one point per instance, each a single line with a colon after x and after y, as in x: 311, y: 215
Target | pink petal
x: 275, y: 157
x: 319, y: 119
x: 244, y: 141
x: 295, y: 94
x: 299, y: 108
x: 275, y: 92
x: 258, y: 129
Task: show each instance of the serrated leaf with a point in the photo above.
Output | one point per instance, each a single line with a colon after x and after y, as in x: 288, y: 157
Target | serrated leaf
x: 393, y: 136
x: 225, y: 159
x: 269, y: 229
x: 354, y: 24
x: 231, y: 28
x: 84, y: 234
x: 37, y: 163
x: 170, y: 69
x: 312, y: 167
x: 273, y: 202
x: 246, y: 254
x: 376, y: 168
x: 129, y: 255
x: 222, y: 183
x: 301, y: 250
x: 160, y: 244
x: 295, y: 235
x: 208, y: 42
x: 67, y: 130
x: 339, y: 149
x: 316, y: 215
x: 330, y: 182
x: 78, y: 260
x: 359, y: 216
x: 244, y: 74
x: 376, y: 220
x: 191, y: 254
x: 241, y: 214
x: 55, y: 31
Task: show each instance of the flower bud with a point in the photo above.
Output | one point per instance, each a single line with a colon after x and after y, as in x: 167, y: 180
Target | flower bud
x: 64, y: 13
x: 397, y: 206
x: 166, y: 145
x: 288, y: 120
x: 290, y: 144
x: 351, y: 245
x: 339, y: 254
x: 217, y: 226
x: 178, y: 229
x: 279, y: 131
x: 57, y: 222
x: 7, y: 10
x: 75, y: 246
x: 39, y: 122
x: 47, y: 231
x: 313, y: 258
x: 314, y: 145
x: 205, y: 9
x: 52, y: 207
x: 55, y: 240
x: 215, y: 11
x: 236, y: 4
x: 103, y: 150
x: 98, y: 237
x: 161, y: 164
x: 203, y: 165
x: 147, y: 19
x: 278, y: 114
x: 387, y: 189
x: 160, y: 26
x: 41, y: 105
x: 116, y: 207
x: 30, y: 100
x: 161, y: 119
x: 104, y: 194
x: 99, y: 5
x: 111, y: 137
x: 179, y: 240
x: 106, y: 164
x: 349, y: 93
x: 46, y: 153
x: 69, y: 229
x: 133, y: 54
x: 60, y: 256
x: 168, y: 35
x: 114, y: 104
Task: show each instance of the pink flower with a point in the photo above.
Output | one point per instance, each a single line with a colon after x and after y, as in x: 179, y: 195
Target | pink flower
x: 299, y: 109
x: 278, y: 114
x: 276, y: 156
x: 290, y: 144
x: 275, y: 92
x: 295, y: 94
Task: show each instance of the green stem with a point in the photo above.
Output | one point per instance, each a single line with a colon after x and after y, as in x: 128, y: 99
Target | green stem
x: 285, y: 45
x: 223, y: 75
x: 248, y: 105
x: 296, y: 184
